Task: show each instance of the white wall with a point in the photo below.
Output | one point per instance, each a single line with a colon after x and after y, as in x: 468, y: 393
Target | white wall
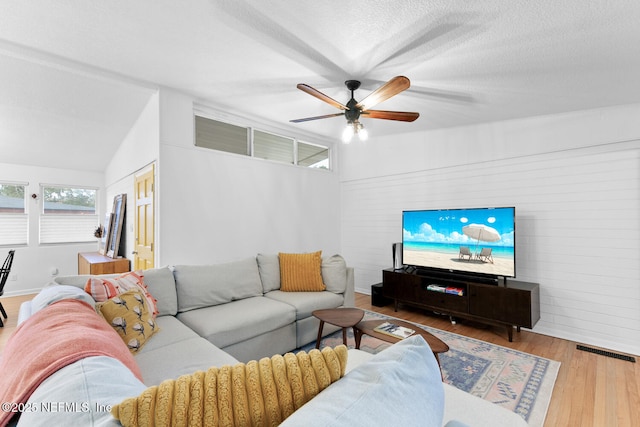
x: 575, y: 181
x: 218, y: 207
x: 33, y: 263
x: 139, y: 149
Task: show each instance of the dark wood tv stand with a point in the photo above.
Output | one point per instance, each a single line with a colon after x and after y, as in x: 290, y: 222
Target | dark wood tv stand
x: 509, y: 303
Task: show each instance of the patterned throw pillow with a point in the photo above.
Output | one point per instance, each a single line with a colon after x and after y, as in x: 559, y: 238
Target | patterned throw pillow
x: 102, y: 289
x: 128, y: 314
x: 301, y: 272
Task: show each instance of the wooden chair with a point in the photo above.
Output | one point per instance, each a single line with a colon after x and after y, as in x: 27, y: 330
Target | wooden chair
x: 464, y: 251
x: 4, y: 275
x: 485, y: 255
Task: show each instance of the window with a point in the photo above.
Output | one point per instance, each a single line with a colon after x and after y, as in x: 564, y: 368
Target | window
x: 68, y: 214
x: 13, y: 215
x: 313, y: 156
x: 216, y: 135
x: 272, y: 147
x: 221, y: 136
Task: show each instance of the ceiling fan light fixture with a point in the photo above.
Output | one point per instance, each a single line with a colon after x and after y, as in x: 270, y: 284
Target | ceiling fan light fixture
x: 348, y: 132
x: 363, y: 134
x: 354, y: 128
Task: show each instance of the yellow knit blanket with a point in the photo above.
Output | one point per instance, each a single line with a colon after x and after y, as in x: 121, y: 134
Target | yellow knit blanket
x: 260, y: 393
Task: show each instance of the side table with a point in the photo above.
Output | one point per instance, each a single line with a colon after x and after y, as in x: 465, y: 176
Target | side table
x: 345, y: 317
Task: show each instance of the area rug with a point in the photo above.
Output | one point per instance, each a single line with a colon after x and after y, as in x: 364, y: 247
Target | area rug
x: 520, y: 382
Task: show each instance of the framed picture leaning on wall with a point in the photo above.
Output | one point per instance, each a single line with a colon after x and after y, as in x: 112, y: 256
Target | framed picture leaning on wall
x: 116, y: 225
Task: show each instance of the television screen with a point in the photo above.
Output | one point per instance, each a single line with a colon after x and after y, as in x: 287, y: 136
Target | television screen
x: 478, y: 240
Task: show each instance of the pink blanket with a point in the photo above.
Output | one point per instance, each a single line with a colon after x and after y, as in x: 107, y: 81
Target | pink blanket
x: 58, y: 335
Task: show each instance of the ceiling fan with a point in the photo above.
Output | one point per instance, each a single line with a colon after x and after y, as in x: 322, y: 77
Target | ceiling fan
x: 354, y: 110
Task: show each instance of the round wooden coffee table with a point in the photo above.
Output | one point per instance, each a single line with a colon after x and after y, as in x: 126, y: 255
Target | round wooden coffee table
x: 367, y: 328
x: 345, y: 317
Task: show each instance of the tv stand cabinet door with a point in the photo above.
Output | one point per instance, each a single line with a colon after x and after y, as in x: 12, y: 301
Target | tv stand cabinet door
x: 506, y: 305
x: 399, y: 285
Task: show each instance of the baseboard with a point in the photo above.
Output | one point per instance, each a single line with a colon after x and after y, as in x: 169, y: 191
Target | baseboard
x: 21, y: 292
x: 365, y: 291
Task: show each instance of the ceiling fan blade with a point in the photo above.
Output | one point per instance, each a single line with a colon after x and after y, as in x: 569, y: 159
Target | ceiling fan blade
x: 402, y: 116
x: 326, y: 116
x: 384, y: 92
x: 321, y: 96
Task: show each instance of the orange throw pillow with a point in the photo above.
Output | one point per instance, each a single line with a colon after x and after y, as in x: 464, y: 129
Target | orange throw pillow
x: 301, y: 272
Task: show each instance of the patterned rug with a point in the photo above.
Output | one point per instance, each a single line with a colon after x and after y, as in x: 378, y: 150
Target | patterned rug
x: 520, y: 382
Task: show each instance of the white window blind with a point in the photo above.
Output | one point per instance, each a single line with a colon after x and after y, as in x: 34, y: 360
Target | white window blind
x: 221, y: 136
x: 14, y: 229
x: 67, y: 228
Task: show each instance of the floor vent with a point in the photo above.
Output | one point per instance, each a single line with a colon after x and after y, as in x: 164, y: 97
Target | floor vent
x: 607, y: 353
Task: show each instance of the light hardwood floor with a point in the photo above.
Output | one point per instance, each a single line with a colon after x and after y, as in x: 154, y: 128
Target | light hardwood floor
x: 591, y: 390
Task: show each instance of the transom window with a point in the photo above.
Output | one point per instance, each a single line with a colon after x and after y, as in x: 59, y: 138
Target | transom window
x: 221, y: 136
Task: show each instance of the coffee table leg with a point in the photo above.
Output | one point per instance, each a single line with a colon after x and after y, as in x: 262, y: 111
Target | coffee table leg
x: 319, y: 333
x: 439, y: 366
x: 344, y: 336
x: 357, y: 335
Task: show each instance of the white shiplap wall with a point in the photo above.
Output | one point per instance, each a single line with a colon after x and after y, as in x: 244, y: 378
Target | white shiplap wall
x: 577, y: 230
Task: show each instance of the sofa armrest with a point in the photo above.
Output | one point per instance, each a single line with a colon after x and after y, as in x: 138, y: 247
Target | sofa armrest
x: 349, y: 293
x: 25, y: 312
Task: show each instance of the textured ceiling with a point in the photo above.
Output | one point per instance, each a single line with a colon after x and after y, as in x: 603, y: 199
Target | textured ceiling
x: 76, y: 73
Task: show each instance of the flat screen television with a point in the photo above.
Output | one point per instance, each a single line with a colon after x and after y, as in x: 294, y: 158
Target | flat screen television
x: 477, y: 241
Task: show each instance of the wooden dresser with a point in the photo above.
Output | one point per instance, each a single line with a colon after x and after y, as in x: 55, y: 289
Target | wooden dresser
x: 95, y: 263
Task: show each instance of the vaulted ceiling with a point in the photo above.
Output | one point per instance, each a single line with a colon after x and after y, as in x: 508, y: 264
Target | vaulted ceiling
x: 75, y: 74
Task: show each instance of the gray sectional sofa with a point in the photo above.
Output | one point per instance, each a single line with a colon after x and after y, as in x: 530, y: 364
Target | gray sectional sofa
x: 238, y: 307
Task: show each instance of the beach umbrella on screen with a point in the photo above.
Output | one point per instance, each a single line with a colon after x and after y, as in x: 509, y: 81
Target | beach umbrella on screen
x: 481, y: 233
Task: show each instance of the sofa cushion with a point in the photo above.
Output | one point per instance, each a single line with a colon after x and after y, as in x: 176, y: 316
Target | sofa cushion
x: 238, y: 321
x: 208, y: 285
x: 171, y: 331
x: 301, y: 272
x: 400, y: 386
x: 90, y: 386
x: 180, y: 358
x: 334, y: 274
x: 255, y: 393
x: 269, y: 267
x: 130, y: 316
x: 162, y: 286
x: 306, y: 302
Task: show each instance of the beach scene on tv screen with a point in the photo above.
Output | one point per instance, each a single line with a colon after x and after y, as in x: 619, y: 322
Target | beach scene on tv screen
x: 472, y: 240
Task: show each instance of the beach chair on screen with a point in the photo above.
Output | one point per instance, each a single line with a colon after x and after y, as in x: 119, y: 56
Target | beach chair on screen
x: 485, y: 255
x: 464, y: 251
